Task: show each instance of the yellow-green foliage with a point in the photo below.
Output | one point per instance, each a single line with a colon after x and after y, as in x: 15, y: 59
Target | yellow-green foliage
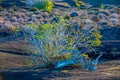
x: 67, y: 17
x: 63, y: 56
x: 40, y: 29
x: 59, y: 40
x: 96, y: 41
x: 15, y: 29
x: 46, y: 5
x: 102, y: 6
x: 78, y: 3
x: 85, y: 55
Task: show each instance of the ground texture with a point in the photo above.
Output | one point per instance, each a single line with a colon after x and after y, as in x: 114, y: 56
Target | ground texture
x: 13, y: 66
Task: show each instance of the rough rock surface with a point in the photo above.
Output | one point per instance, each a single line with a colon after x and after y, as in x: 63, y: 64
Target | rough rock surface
x: 17, y: 17
x: 95, y: 3
x: 8, y: 3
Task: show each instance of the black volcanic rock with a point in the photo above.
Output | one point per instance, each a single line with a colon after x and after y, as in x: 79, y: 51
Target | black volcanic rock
x: 8, y: 3
x: 99, y: 2
x: 96, y: 3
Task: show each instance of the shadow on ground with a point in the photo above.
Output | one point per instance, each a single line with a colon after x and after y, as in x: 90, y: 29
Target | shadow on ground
x: 33, y: 75
x: 13, y: 52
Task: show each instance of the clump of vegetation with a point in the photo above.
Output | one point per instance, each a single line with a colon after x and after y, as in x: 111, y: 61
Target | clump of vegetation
x: 102, y: 6
x: 78, y: 3
x: 60, y: 44
x: 46, y: 5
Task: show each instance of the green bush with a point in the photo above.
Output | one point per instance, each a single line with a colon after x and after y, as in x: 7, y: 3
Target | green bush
x: 60, y: 44
x: 46, y: 5
x: 78, y: 3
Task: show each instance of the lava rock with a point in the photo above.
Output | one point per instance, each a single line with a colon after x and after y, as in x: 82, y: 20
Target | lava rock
x: 9, y: 3
x: 74, y: 14
x: 95, y: 18
x: 56, y: 19
x: 97, y: 3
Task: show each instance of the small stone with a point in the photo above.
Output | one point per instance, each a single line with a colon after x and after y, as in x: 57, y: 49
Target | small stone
x: 114, y: 15
x: 83, y: 14
x: 115, y: 22
x: 92, y: 12
x: 56, y: 19
x: 37, y: 12
x: 29, y: 22
x: 102, y: 16
x: 16, y: 24
x: 45, y: 15
x: 30, y: 19
x: 34, y: 9
x: 7, y: 25
x: 21, y: 20
x: 13, y: 19
x: 106, y: 12
x: 1, y: 8
x: 95, y: 18
x: 74, y: 14
x: 6, y: 28
x: 118, y: 10
x: 103, y: 23
x: 83, y: 7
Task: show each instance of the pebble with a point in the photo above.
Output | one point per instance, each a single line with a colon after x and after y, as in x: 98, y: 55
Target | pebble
x: 74, y: 14
x: 94, y: 18
x: 13, y: 19
x: 106, y: 12
x: 7, y: 25
x: 56, y: 19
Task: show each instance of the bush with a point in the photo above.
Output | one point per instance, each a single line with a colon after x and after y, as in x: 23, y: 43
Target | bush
x: 60, y: 44
x: 78, y: 3
x: 46, y: 5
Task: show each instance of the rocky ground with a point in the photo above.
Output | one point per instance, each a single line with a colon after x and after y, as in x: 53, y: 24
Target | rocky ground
x: 97, y: 17
x: 12, y: 61
x: 107, y: 20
